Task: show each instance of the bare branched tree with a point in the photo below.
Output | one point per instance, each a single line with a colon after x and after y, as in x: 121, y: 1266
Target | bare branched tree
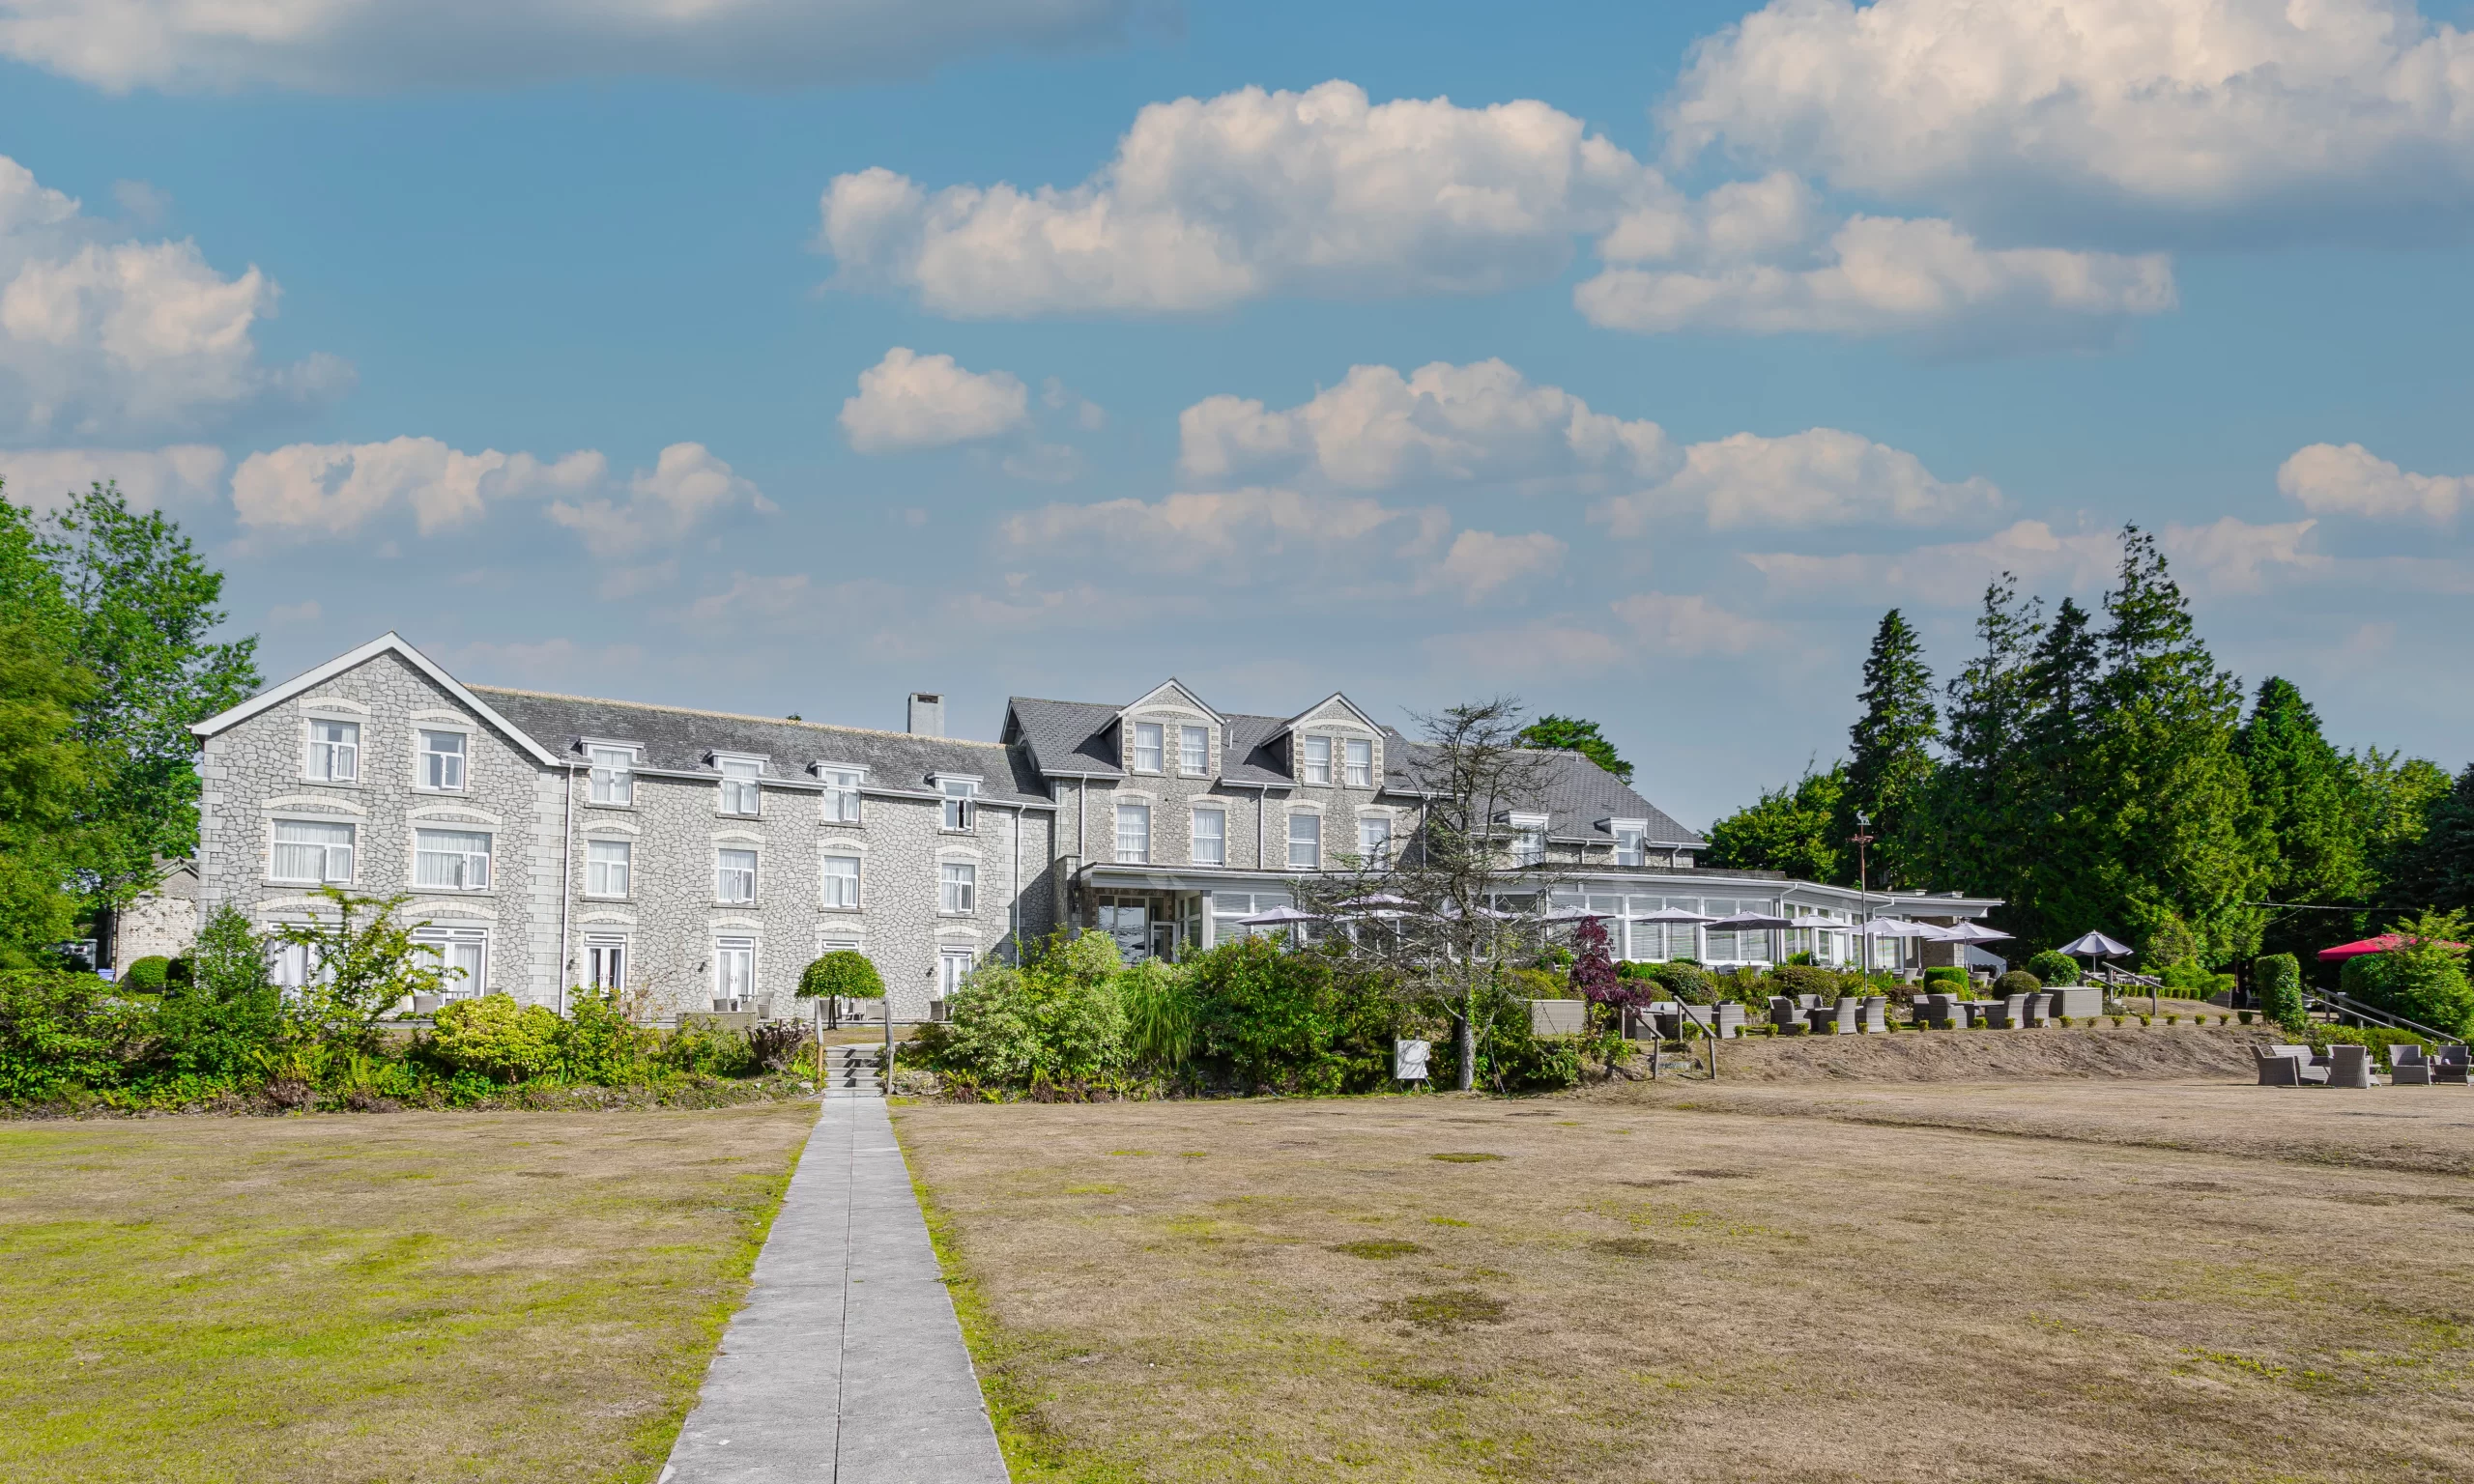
x: 1436, y: 909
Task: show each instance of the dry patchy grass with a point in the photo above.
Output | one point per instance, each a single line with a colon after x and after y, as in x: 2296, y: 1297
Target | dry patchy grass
x: 1635, y: 1290
x: 428, y: 1296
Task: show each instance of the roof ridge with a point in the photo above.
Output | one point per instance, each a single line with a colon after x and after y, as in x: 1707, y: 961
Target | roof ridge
x: 729, y: 716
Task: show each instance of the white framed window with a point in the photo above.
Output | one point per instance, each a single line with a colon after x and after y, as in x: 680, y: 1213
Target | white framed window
x: 312, y: 851
x: 841, y: 795
x: 605, y: 960
x: 442, y: 760
x: 288, y: 964
x: 1211, y: 836
x: 1374, y: 839
x: 465, y: 952
x: 335, y: 752
x: 1359, y: 759
x: 953, y: 967
x: 733, y: 969
x: 841, y: 881
x: 1630, y: 849
x: 1194, y: 751
x: 733, y: 875
x: 957, y: 886
x: 961, y: 795
x: 608, y: 867
x: 1528, y: 839
x: 1147, y: 747
x: 451, y: 860
x: 1134, y: 834
x: 1306, y: 841
x: 614, y: 775
x: 1315, y: 759
x: 741, y: 795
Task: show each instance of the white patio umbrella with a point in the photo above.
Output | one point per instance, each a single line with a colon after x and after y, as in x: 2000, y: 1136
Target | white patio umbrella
x: 1452, y: 914
x: 1969, y: 932
x: 1894, y: 927
x: 1278, y: 916
x: 1752, y: 922
x: 2095, y: 944
x: 1374, y: 899
x: 1571, y: 915
x: 1674, y: 915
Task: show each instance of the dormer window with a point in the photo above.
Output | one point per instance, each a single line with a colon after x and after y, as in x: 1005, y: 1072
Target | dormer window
x: 841, y: 794
x: 614, y: 774
x: 1632, y: 837
x: 1315, y: 760
x: 741, y: 795
x: 1528, y: 838
x: 961, y: 802
x: 1361, y: 762
x: 1194, y: 751
x: 1147, y: 747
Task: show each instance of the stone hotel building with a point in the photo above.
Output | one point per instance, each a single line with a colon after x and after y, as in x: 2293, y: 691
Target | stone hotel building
x: 699, y: 856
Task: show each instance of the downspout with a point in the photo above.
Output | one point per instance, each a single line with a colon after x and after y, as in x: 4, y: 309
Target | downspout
x: 1014, y: 907
x: 566, y: 878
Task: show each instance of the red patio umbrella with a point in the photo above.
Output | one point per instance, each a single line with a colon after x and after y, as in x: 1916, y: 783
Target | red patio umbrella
x: 2378, y: 945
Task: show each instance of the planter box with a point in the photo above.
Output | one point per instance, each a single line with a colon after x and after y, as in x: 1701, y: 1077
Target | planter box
x: 1557, y: 1017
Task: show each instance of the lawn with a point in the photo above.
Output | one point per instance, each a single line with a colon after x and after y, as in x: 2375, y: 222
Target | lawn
x: 2017, y: 1283
x: 407, y: 1297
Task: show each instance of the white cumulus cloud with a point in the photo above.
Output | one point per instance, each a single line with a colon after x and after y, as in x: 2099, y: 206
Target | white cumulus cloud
x: 160, y: 478
x: 1228, y: 533
x: 1822, y: 476
x: 1688, y: 624
x: 365, y: 45
x: 908, y: 401
x: 101, y: 336
x: 2303, y: 112
x: 2352, y: 480
x: 1761, y: 258
x: 2227, y: 555
x: 1481, y: 564
x: 334, y: 489
x: 1380, y: 429
x: 686, y: 484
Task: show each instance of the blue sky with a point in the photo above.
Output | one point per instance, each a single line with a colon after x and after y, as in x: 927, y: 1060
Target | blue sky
x: 1737, y: 326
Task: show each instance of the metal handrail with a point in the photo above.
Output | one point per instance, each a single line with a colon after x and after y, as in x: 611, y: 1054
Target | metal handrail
x: 2341, y: 1004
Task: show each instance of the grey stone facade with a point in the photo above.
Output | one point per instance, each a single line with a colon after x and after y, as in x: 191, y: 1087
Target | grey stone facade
x: 528, y: 788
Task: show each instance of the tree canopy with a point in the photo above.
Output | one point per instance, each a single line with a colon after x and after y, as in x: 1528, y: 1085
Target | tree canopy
x: 1574, y: 735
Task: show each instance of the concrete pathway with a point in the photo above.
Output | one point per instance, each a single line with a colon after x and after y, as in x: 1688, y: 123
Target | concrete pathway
x: 847, y: 1365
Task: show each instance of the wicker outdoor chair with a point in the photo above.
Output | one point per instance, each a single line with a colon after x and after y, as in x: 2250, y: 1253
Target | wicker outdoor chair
x: 2408, y: 1066
x: 2348, y: 1066
x: 2451, y: 1063
x: 1877, y: 1014
x: 1785, y: 1016
x: 2007, y: 1015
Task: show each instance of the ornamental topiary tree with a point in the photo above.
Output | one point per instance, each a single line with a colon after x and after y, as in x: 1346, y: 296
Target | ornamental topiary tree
x: 147, y: 976
x: 844, y: 974
x: 2278, y: 978
x: 2055, y: 967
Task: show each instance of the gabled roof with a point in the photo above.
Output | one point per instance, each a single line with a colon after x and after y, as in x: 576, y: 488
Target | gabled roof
x: 678, y: 739
x: 389, y: 642
x: 1066, y: 738
x: 1579, y: 798
x: 1172, y: 684
x: 1343, y: 699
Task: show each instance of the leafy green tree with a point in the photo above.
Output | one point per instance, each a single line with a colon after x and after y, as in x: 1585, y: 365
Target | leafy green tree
x: 2423, y: 978
x: 363, y: 961
x: 844, y: 974
x: 1794, y: 829
x: 2058, y: 876
x: 2436, y: 869
x: 1889, y: 766
x: 1574, y: 735
x: 214, y: 1025
x: 142, y: 607
x: 2277, y: 979
x: 2178, y: 833
x: 2305, y: 793
x: 46, y: 770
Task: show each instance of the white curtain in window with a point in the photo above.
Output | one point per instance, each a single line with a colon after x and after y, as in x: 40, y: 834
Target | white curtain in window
x: 1361, y: 759
x: 306, y: 850
x: 734, y: 969
x: 614, y: 781
x: 1306, y: 841
x: 1134, y: 834
x: 841, y: 880
x: 957, y: 883
x: 607, y: 866
x: 739, y: 786
x: 734, y: 875
x: 1147, y: 747
x: 1193, y: 749
x: 1211, y: 836
x: 1317, y: 764
x: 841, y: 796
x: 451, y: 860
x: 443, y: 759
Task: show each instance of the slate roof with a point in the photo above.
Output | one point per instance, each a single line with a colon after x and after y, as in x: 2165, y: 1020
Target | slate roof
x: 1072, y: 737
x: 677, y: 739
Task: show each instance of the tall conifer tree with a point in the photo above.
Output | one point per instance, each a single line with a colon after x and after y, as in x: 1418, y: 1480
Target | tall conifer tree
x: 1891, y: 765
x: 1967, y: 836
x: 2304, y: 790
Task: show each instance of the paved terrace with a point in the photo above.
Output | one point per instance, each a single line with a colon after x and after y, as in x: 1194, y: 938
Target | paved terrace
x: 847, y: 1365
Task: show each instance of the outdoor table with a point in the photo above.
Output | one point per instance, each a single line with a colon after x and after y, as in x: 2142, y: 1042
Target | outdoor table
x: 1823, y: 1017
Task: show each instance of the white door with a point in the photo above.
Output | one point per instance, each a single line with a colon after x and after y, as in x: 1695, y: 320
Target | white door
x: 734, y: 969
x: 953, y: 967
x: 464, y: 949
x: 606, y: 962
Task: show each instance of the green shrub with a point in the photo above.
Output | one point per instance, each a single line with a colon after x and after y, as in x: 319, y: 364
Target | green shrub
x: 60, y: 1031
x: 844, y: 974
x: 1161, y: 1015
x: 2379, y: 1037
x: 2277, y: 979
x: 1688, y: 983
x: 1538, y: 984
x: 1056, y: 1018
x: 494, y: 1035
x: 2421, y: 979
x: 1808, y: 979
x: 2190, y: 981
x: 1954, y: 977
x: 599, y: 1044
x: 214, y: 1022
x: 2055, y: 967
x: 706, y: 1051
x: 1290, y: 1023
x: 1511, y: 1057
x: 2018, y: 982
x: 147, y: 976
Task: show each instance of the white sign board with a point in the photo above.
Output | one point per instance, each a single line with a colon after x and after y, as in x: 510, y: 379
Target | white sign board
x: 1409, y: 1060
